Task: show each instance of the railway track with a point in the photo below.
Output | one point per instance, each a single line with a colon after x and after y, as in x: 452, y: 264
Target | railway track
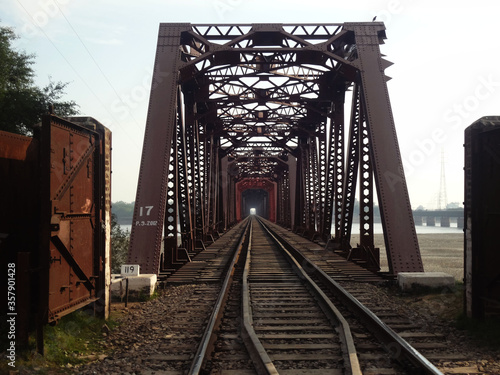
x: 274, y: 319
x: 433, y: 346
x: 288, y: 323
x: 264, y: 314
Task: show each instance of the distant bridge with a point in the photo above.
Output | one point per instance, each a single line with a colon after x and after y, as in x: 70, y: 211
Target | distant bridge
x: 445, y: 217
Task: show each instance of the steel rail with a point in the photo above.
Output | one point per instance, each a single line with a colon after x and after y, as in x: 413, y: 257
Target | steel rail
x: 351, y: 363
x: 256, y: 350
x: 399, y: 349
x: 209, y: 336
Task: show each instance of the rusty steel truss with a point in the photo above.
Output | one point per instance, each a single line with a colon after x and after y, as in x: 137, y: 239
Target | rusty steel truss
x: 237, y: 105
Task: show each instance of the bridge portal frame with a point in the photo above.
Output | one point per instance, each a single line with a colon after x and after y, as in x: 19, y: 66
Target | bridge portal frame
x: 182, y: 186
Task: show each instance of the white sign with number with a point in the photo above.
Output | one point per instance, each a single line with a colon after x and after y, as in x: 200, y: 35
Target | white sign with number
x: 130, y: 270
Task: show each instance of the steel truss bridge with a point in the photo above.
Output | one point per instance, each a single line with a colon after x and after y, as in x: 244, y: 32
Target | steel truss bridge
x: 296, y: 114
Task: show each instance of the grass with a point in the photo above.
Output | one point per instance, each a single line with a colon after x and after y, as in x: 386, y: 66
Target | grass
x: 76, y: 336
x: 76, y: 339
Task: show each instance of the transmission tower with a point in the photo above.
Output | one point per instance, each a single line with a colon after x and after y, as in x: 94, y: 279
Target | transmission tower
x: 442, y: 196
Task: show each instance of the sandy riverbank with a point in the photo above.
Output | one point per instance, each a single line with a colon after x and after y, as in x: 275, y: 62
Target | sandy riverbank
x: 441, y: 252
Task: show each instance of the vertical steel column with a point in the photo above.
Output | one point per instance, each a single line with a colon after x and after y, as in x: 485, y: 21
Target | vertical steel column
x: 308, y: 174
x: 300, y: 190
x: 324, y: 194
x: 335, y: 170
x: 225, y: 180
x: 279, y: 198
x: 365, y: 189
x: 397, y: 219
x: 208, y: 183
x: 149, y: 211
x: 170, y: 239
x: 283, y: 198
x: 366, y: 251
x: 197, y: 163
x: 231, y: 201
x: 185, y: 210
x: 287, y: 220
x: 220, y: 216
x: 315, y: 187
x: 351, y: 176
x: 292, y: 191
x: 212, y: 183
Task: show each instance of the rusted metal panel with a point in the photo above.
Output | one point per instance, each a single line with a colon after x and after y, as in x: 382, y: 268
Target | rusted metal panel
x: 102, y: 238
x: 17, y: 147
x: 55, y: 200
x: 74, y: 202
x: 482, y: 218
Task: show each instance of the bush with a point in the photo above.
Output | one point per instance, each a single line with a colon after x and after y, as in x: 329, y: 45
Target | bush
x: 120, y: 240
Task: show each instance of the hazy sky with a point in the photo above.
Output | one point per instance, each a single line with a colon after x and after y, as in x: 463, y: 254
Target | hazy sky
x: 446, y: 70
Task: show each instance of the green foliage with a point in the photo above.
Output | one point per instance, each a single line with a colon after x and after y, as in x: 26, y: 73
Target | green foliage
x: 73, y: 338
x: 76, y: 338
x: 124, y: 212
x: 22, y: 103
x: 120, y: 240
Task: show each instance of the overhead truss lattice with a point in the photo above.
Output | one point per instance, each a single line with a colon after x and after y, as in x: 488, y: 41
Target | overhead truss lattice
x: 265, y: 102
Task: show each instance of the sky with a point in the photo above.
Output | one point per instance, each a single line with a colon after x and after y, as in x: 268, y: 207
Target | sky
x: 445, y: 75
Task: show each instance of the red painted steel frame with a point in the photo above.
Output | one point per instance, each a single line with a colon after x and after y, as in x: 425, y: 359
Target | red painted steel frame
x: 268, y: 186
x: 235, y: 102
x: 150, y: 203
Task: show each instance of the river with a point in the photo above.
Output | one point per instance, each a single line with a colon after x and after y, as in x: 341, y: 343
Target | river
x: 421, y: 229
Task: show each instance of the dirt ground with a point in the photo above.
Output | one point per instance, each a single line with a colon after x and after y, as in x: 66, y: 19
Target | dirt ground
x: 441, y: 252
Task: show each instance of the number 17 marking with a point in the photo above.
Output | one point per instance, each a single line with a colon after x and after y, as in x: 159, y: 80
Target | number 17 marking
x: 148, y: 210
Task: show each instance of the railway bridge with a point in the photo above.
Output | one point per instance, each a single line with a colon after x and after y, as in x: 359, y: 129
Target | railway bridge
x: 293, y: 120
x: 288, y: 121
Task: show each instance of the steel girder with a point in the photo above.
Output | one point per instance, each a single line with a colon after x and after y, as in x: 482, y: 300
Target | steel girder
x: 283, y: 199
x: 400, y: 237
x: 233, y: 103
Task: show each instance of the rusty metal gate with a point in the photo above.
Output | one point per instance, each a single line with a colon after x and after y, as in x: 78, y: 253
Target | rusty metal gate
x: 62, y: 252
x: 73, y: 214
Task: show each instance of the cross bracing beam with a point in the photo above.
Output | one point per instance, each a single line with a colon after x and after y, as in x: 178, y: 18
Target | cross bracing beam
x: 265, y: 102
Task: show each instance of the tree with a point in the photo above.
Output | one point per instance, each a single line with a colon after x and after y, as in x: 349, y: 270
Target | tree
x: 453, y: 206
x: 22, y: 103
x: 123, y: 211
x: 120, y: 240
